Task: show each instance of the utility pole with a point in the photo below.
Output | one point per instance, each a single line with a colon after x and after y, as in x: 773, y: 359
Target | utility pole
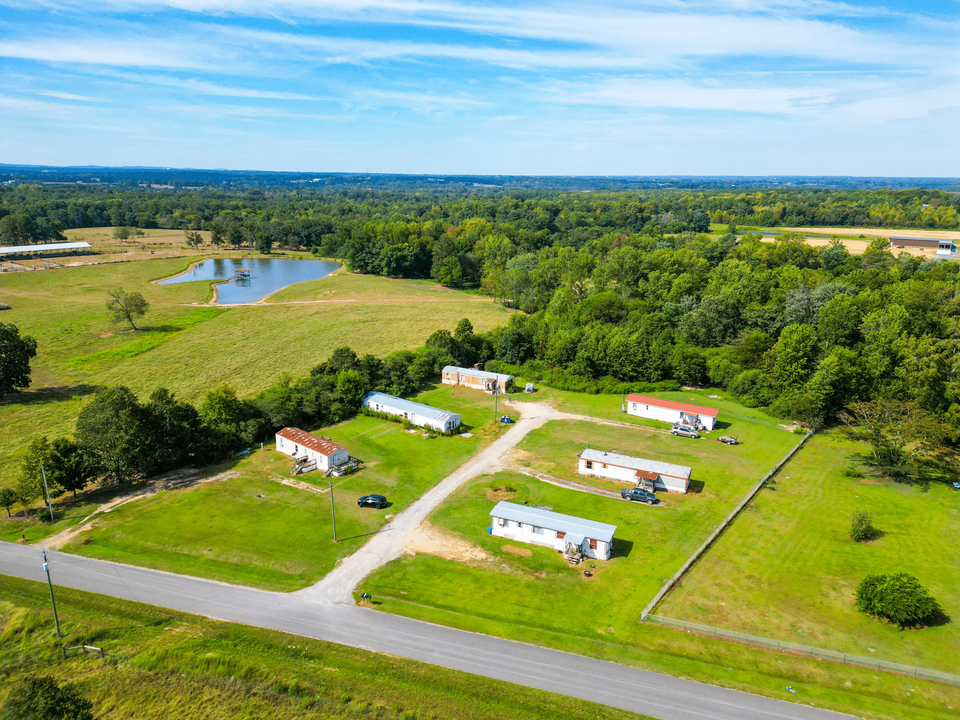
x: 47, y: 488
x: 333, y: 513
x: 46, y: 567
x: 496, y: 397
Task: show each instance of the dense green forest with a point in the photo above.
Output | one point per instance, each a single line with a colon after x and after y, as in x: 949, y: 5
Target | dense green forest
x: 617, y: 290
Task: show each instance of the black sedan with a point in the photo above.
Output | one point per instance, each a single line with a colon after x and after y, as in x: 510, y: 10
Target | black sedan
x: 377, y: 501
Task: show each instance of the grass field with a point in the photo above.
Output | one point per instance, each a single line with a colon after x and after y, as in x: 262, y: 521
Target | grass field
x: 248, y: 528
x: 163, y: 664
x: 787, y: 569
x: 191, y: 349
x: 651, y: 542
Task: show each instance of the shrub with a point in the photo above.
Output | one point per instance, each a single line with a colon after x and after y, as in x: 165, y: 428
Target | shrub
x: 861, y: 526
x: 899, y: 598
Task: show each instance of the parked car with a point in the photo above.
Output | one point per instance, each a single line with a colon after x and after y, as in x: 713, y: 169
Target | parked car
x: 376, y: 501
x: 727, y: 439
x: 684, y: 430
x: 639, y: 495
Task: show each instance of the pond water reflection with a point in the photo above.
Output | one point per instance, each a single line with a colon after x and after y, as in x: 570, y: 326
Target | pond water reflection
x: 263, y: 276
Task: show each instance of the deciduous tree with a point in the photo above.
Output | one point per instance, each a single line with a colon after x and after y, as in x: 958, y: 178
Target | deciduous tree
x: 126, y: 306
x: 16, y: 352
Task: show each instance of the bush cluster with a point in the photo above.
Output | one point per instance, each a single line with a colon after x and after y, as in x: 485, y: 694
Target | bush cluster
x: 899, y: 598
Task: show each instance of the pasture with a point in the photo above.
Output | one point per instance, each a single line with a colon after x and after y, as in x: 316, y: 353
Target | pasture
x: 787, y: 568
x: 189, y: 347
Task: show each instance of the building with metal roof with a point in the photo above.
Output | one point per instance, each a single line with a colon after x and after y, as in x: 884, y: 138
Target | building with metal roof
x: 306, y: 447
x: 926, y: 243
x: 476, y: 379
x: 672, y: 412
x: 416, y: 413
x: 642, y: 472
x: 571, y: 535
x: 43, y: 247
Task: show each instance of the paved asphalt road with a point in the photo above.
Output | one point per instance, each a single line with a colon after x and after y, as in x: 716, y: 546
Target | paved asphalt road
x: 640, y: 691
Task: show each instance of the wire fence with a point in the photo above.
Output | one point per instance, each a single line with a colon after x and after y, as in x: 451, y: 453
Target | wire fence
x: 698, y: 553
x: 819, y: 653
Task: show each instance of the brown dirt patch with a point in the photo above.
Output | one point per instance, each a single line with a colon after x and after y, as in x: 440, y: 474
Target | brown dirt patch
x: 432, y: 540
x: 864, y: 481
x: 517, y: 551
x: 499, y: 494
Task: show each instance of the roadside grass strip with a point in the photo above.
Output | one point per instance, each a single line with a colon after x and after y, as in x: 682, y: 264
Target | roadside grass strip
x: 162, y: 664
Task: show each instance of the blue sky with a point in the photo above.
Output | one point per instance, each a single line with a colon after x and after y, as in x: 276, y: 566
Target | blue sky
x: 699, y: 87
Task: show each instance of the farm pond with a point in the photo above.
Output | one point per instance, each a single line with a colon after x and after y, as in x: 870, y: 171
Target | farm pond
x: 252, y: 279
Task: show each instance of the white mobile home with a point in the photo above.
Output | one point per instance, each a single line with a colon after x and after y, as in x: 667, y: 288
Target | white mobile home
x: 672, y: 412
x: 661, y: 475
x: 416, y: 413
x: 300, y: 444
x: 571, y: 535
x: 476, y: 379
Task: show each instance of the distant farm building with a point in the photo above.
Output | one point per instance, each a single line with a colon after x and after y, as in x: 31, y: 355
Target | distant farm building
x: 416, y: 413
x: 572, y: 535
x: 476, y: 379
x: 671, y: 412
x: 902, y: 241
x: 43, y: 248
x: 308, y: 449
x: 642, y: 472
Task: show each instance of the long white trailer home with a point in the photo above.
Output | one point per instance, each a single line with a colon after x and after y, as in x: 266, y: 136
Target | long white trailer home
x: 671, y: 412
x: 566, y: 533
x: 476, y: 379
x: 638, y: 471
x: 416, y: 413
x: 298, y: 444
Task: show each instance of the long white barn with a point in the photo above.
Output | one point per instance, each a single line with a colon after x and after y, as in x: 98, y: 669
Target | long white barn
x: 545, y: 527
x: 416, y: 413
x: 672, y: 412
x: 476, y: 379
x: 663, y: 476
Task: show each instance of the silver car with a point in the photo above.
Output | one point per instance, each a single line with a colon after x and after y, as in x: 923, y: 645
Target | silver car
x: 684, y: 430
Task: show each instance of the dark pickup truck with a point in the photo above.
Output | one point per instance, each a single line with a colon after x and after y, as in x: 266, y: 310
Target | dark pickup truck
x: 639, y: 494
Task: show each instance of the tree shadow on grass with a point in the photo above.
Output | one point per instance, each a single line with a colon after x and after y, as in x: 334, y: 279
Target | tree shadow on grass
x: 938, y: 619
x: 52, y: 394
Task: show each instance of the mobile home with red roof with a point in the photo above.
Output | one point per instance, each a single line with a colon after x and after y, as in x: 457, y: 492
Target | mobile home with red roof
x: 300, y: 444
x: 672, y: 412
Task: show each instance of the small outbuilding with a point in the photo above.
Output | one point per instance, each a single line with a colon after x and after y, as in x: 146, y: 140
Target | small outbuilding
x: 304, y: 446
x: 644, y: 473
x: 416, y: 413
x: 671, y: 412
x: 571, y: 535
x: 476, y: 379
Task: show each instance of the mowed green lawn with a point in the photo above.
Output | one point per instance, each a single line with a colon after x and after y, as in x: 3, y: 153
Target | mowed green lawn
x: 283, y: 540
x: 787, y: 568
x: 733, y: 418
x: 191, y: 349
x: 651, y: 542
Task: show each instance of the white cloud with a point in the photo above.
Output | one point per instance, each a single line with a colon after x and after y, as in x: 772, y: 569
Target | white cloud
x: 67, y: 96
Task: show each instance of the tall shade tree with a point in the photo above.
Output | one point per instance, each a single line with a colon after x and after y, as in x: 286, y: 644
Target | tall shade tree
x: 69, y: 465
x: 126, y: 306
x: 109, y: 428
x: 7, y: 498
x: 16, y: 352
